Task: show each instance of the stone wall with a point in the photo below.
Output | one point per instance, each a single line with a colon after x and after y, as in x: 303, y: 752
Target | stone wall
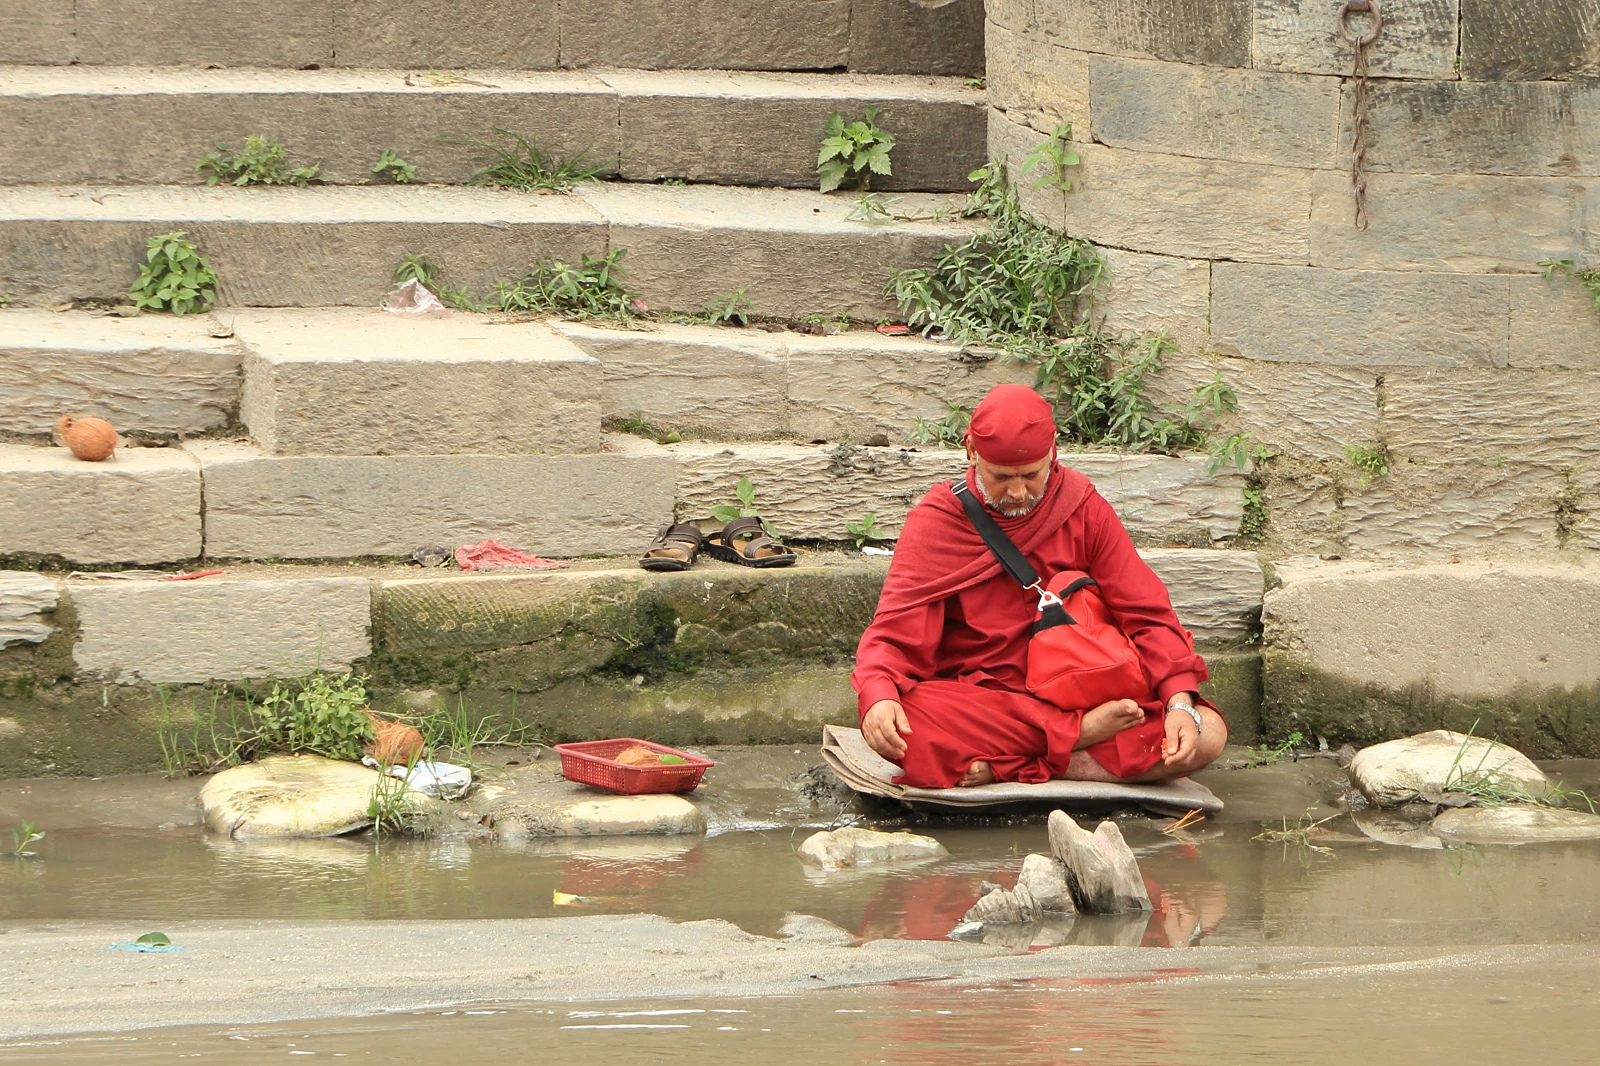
x: 1216, y: 145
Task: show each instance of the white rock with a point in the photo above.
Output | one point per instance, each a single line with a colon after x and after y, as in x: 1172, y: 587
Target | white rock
x: 661, y: 815
x: 1515, y: 825
x: 289, y: 796
x: 1100, y: 868
x: 842, y: 848
x: 1423, y: 766
x: 1046, y: 881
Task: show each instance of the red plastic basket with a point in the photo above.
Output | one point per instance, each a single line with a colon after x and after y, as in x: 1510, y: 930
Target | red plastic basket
x: 593, y: 762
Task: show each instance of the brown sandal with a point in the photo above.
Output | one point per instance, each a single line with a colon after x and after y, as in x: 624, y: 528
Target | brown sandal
x: 759, y: 550
x: 675, y: 548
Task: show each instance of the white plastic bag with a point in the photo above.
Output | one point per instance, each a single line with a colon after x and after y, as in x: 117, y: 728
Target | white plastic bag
x: 413, y: 298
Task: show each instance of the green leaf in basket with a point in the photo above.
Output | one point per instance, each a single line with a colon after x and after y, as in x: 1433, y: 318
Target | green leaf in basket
x: 673, y: 760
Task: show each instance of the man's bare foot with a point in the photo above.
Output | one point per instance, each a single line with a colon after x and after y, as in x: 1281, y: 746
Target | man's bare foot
x: 1107, y: 720
x: 979, y: 773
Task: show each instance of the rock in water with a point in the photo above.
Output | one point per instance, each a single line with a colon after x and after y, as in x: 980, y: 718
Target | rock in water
x: 663, y: 814
x: 1515, y: 825
x: 1101, y: 870
x: 289, y: 796
x: 1046, y: 880
x: 1126, y: 879
x: 997, y: 906
x: 841, y: 848
x: 1420, y: 767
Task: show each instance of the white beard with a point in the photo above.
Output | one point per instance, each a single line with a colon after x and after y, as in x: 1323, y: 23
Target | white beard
x: 1010, y: 512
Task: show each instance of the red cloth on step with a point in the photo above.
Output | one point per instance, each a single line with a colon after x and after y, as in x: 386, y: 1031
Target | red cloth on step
x: 948, y: 613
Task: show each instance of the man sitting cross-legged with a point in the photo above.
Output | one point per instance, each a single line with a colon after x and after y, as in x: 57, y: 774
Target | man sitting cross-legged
x: 940, y: 672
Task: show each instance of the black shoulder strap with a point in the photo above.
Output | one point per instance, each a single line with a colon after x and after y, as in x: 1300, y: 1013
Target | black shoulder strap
x: 1012, y: 561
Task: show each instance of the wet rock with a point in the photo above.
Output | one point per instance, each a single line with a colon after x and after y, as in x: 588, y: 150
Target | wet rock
x: 655, y: 815
x: 1046, y: 880
x: 289, y: 796
x: 841, y: 848
x: 1517, y: 824
x: 999, y: 906
x: 809, y: 929
x: 1101, y: 869
x: 1419, y: 767
x: 1394, y: 827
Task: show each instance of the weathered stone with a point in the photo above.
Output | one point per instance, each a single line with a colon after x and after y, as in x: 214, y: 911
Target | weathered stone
x: 1503, y: 41
x: 312, y: 507
x: 1100, y: 869
x: 289, y: 796
x: 791, y: 252
x: 140, y: 506
x: 1493, y: 415
x: 1554, y: 325
x: 64, y: 244
x: 1456, y: 507
x: 1170, y: 205
x: 1036, y: 83
x: 1209, y: 32
x: 365, y: 382
x: 719, y: 34
x: 37, y: 32
x: 809, y: 929
x: 1131, y: 892
x: 1541, y: 128
x: 280, y: 33
x: 25, y: 599
x: 1358, y: 317
x: 220, y: 630
x: 1150, y: 294
x: 1515, y: 825
x: 1358, y: 622
x: 1246, y: 116
x: 1418, y: 40
x: 1465, y: 223
x: 1428, y: 765
x: 1214, y: 592
x: 840, y: 849
x: 1046, y: 881
x: 998, y: 906
x: 493, y: 34
x: 150, y: 374
x: 650, y: 815
x: 915, y: 36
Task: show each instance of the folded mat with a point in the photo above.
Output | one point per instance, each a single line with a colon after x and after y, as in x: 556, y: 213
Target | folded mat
x: 846, y: 753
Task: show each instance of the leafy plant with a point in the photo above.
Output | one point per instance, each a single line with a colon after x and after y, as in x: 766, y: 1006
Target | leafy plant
x: 977, y: 83
x: 855, y: 151
x: 425, y: 272
x: 640, y: 426
x: 1053, y: 157
x: 260, y: 163
x: 1266, y: 756
x: 1237, y: 450
x: 1371, y: 459
x: 321, y: 713
x: 745, y: 491
x: 1253, y: 525
x: 174, y: 277
x: 732, y: 309
x: 521, y: 165
x: 866, y: 529
x: 947, y: 432
x: 1588, y: 277
x: 398, y: 170
x: 21, y: 837
x: 593, y: 289
x: 1298, y: 835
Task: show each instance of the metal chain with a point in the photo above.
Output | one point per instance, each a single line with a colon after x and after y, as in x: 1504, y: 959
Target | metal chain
x: 1358, y: 144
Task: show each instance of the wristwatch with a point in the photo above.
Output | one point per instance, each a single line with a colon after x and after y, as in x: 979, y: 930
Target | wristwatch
x: 1188, y: 709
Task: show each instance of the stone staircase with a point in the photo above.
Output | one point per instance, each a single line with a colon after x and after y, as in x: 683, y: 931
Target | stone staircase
x: 296, y: 422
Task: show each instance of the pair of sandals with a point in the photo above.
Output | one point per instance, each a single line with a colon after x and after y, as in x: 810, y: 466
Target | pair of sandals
x: 744, y: 541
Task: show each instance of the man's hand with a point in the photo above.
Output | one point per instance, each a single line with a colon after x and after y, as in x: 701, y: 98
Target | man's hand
x: 885, y: 727
x: 1183, y: 738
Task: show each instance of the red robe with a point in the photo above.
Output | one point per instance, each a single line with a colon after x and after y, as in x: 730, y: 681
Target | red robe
x: 950, y: 638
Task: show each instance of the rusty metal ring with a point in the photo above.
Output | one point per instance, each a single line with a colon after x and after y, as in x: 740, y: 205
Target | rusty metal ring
x: 1360, y: 7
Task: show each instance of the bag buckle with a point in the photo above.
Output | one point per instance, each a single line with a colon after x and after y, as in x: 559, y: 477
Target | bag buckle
x: 1046, y: 597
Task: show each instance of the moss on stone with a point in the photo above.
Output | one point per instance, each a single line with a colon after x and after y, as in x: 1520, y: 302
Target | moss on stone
x: 1235, y: 686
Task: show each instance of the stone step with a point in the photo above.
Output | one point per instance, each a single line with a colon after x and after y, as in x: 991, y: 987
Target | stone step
x: 793, y: 252
x: 150, y: 374
x: 115, y: 125
x: 335, y: 381
x: 730, y: 384
x: 810, y: 492
x: 864, y: 35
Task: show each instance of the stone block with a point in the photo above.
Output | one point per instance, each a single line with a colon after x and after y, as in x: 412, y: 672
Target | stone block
x: 1246, y: 116
x: 734, y: 128
x: 1169, y: 205
x: 1493, y: 416
x: 312, y: 507
x: 716, y: 34
x: 364, y: 382
x: 1503, y: 41
x: 915, y: 36
x: 1469, y: 223
x: 284, y: 247
x: 1537, y: 129
x: 491, y: 34
x: 792, y: 252
x: 1418, y: 41
x: 1037, y: 83
x: 40, y: 31
x: 151, y: 374
x: 1166, y: 500
x: 140, y: 506
x: 191, y: 632
x: 100, y: 125
x: 1217, y: 594
x: 1358, y: 317
x: 1465, y: 508
x: 1207, y: 32
x: 1149, y: 294
x: 25, y: 599
x: 277, y: 33
x: 1555, y: 324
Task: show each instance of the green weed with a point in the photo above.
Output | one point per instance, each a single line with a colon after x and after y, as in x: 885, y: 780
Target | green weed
x: 745, y: 492
x: 174, y: 277
x: 1266, y: 756
x: 730, y: 310
x: 1371, y: 459
x: 22, y: 836
x: 594, y: 289
x: 865, y: 530
x: 640, y: 426
x: 1297, y: 836
x: 322, y: 713
x: 875, y: 209
x: 520, y: 164
x: 425, y: 272
x: 260, y: 163
x: 947, y: 432
x: 1488, y: 788
x: 1237, y: 449
x: 855, y: 151
x: 393, y: 807
x: 977, y: 83
x: 1053, y: 159
x: 1588, y: 277
x: 1253, y: 526
x: 397, y: 169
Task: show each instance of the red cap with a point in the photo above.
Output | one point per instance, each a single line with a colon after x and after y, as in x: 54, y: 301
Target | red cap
x: 1013, y: 426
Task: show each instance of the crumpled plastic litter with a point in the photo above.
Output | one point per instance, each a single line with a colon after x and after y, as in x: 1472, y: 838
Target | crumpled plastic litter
x: 869, y: 549
x: 431, y: 555
x: 413, y: 298
x: 442, y: 779
x: 492, y: 555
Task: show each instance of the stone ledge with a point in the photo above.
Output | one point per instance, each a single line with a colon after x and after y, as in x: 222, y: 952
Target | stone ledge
x: 1209, y: 32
